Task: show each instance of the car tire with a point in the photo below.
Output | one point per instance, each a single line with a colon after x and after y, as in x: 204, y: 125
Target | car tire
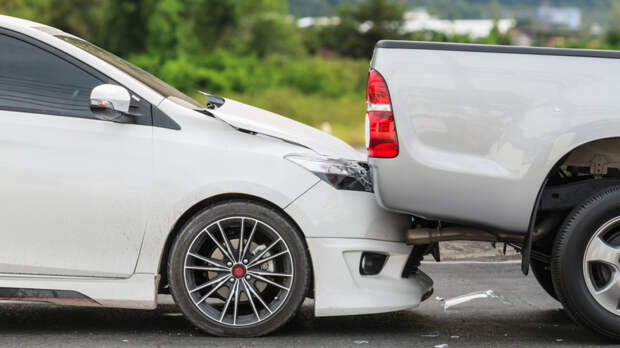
x: 246, y: 297
x: 542, y: 273
x: 584, y: 264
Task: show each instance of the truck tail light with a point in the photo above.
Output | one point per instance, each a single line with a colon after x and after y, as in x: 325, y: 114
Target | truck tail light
x: 381, y: 140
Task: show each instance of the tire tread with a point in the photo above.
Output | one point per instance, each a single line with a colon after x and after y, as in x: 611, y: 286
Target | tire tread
x: 557, y: 258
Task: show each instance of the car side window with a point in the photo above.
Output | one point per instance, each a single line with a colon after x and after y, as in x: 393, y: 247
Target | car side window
x: 37, y: 81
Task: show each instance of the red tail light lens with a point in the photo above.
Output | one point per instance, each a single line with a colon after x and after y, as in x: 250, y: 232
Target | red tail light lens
x: 381, y: 140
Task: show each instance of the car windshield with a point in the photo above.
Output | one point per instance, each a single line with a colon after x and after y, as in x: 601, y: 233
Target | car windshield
x: 153, y: 82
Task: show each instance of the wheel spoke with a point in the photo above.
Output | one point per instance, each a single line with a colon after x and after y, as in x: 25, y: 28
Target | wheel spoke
x: 255, y: 293
x: 248, y: 243
x: 219, y: 246
x: 263, y: 279
x: 249, y: 295
x: 209, y: 269
x: 609, y: 296
x: 230, y: 296
x: 258, y: 262
x: 226, y: 242
x: 217, y: 283
x: 207, y: 260
x: 270, y: 274
x: 240, y: 245
x: 210, y: 282
x: 236, y: 304
x: 215, y: 288
x: 252, y: 263
x: 600, y: 251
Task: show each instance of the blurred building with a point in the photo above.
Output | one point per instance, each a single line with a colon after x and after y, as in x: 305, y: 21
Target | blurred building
x: 559, y: 17
x: 420, y: 20
x: 547, y: 26
x: 306, y: 22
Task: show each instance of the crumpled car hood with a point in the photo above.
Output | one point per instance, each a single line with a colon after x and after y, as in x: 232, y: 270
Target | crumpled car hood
x: 261, y: 121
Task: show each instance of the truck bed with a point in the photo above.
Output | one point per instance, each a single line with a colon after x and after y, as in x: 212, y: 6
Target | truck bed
x: 480, y: 127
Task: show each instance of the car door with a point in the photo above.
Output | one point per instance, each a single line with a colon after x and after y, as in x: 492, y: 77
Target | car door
x: 73, y: 189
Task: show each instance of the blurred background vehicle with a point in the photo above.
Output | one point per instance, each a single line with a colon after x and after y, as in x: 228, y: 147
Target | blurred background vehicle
x: 308, y: 59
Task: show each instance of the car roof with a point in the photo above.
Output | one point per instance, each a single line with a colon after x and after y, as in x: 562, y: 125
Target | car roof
x: 19, y: 24
x: 14, y: 21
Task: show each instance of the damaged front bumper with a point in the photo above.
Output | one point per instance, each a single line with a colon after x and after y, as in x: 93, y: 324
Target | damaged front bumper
x: 340, y: 226
x: 341, y: 289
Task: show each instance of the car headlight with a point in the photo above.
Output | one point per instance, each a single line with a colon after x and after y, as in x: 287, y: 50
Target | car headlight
x: 340, y: 173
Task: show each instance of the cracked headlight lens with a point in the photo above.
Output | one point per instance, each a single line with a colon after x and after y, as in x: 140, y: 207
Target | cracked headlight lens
x: 340, y: 173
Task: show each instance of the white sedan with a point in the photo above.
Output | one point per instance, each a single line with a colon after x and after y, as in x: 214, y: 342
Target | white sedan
x: 116, y: 187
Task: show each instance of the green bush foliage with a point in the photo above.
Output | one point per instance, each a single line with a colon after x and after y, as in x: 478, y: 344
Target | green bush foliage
x: 343, y: 115
x: 224, y: 72
x: 252, y: 50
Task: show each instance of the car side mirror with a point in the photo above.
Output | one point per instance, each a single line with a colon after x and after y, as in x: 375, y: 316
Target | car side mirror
x: 110, y: 102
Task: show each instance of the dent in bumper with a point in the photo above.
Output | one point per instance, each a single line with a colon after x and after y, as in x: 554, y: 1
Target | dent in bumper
x: 339, y: 225
x: 329, y: 213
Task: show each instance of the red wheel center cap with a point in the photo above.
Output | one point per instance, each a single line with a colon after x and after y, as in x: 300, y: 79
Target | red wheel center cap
x: 238, y: 271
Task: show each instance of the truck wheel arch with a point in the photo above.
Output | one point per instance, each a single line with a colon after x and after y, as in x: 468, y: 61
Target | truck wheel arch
x: 599, y: 157
x: 599, y: 154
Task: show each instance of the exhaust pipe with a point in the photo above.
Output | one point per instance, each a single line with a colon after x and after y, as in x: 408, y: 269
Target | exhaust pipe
x: 421, y: 236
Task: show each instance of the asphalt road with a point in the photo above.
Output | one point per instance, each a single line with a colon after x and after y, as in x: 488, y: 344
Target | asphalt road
x: 532, y: 319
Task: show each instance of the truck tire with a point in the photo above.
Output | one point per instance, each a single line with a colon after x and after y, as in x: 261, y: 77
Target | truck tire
x: 542, y: 273
x: 585, y: 263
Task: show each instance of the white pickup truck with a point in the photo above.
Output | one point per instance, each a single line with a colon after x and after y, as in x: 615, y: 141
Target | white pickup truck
x: 507, y: 144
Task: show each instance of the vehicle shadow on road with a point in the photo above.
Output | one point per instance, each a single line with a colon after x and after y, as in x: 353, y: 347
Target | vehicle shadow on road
x: 423, y: 327
x: 459, y: 327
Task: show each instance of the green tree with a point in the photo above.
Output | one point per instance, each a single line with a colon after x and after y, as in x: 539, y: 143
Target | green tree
x: 79, y: 17
x: 245, y: 26
x: 125, y: 24
x: 362, y: 26
x: 20, y: 8
x: 215, y: 22
x: 612, y: 37
x: 166, y: 27
x: 272, y: 34
x: 497, y: 38
x: 82, y: 18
